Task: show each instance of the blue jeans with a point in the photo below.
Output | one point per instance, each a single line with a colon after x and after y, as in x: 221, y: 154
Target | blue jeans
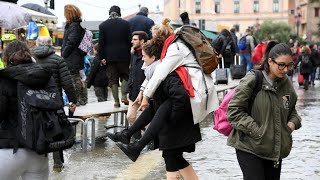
x: 246, y: 59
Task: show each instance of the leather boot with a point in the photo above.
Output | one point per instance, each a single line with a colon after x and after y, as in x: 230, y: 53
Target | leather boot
x: 124, y: 86
x: 115, y: 94
x: 132, y: 150
x: 122, y: 136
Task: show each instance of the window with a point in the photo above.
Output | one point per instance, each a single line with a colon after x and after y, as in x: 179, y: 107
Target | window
x: 198, y: 6
x: 275, y: 6
x: 236, y: 7
x: 256, y: 6
x: 316, y: 12
x: 292, y: 12
x: 217, y: 7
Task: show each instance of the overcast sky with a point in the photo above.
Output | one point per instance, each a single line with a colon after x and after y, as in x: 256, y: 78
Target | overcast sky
x: 95, y: 10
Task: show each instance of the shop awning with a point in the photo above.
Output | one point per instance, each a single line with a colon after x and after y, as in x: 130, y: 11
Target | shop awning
x: 209, y: 34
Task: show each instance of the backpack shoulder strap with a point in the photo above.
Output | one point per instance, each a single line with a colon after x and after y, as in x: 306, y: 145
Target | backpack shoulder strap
x: 258, y: 83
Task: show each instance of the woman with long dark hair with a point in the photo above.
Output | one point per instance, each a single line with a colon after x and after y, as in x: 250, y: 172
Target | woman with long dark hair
x: 262, y: 136
x: 16, y: 161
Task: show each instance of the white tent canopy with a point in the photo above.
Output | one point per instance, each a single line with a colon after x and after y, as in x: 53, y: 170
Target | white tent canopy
x: 45, y: 18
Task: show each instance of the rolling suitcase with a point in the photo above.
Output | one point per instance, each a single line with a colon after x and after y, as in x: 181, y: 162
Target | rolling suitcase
x: 221, y: 74
x: 237, y: 70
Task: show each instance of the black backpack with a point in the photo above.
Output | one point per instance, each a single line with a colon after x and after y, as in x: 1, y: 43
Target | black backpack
x: 42, y: 124
x: 305, y: 62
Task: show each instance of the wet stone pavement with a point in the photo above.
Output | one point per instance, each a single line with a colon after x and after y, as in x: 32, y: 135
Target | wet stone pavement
x: 213, y: 159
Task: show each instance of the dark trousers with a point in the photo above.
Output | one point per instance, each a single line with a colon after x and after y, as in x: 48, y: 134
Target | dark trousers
x: 256, y: 168
x: 156, y: 119
x: 101, y: 93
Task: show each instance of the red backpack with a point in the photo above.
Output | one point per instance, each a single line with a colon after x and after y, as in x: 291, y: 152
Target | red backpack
x: 221, y: 123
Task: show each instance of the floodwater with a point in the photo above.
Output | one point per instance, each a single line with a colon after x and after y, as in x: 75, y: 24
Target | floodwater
x: 213, y: 159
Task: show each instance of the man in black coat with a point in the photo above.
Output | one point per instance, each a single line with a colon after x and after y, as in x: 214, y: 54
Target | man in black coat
x: 114, y: 47
x: 141, y: 22
x: 136, y: 76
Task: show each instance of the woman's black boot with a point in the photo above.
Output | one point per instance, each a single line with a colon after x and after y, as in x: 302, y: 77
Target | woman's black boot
x: 122, y: 136
x: 132, y: 150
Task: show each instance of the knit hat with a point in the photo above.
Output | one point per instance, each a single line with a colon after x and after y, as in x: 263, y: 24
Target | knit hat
x: 184, y: 15
x: 115, y: 9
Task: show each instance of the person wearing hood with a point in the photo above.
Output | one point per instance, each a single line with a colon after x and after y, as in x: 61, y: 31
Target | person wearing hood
x: 72, y: 55
x: 23, y: 163
x: 114, y: 48
x: 45, y: 54
x: 141, y: 22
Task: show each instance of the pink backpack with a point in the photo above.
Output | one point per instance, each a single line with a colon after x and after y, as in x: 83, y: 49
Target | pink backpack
x: 221, y: 123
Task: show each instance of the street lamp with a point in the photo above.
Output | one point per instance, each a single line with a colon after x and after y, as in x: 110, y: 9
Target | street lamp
x: 297, y: 19
x: 46, y: 3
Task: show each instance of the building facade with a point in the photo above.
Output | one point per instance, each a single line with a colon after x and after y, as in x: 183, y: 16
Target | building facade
x: 214, y: 15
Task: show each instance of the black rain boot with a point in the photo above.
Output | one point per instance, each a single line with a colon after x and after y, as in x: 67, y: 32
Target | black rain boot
x: 136, y: 136
x: 132, y: 150
x: 122, y: 136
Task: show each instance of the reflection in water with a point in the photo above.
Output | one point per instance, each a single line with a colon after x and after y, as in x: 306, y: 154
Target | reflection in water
x: 213, y: 159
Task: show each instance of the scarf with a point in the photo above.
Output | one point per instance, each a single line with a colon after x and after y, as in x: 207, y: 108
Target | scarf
x: 149, y: 70
x: 114, y: 15
x: 181, y: 71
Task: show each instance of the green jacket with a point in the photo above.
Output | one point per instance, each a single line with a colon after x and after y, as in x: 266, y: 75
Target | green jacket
x: 265, y: 133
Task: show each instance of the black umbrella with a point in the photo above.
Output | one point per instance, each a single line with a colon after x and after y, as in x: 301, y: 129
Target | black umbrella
x: 37, y: 7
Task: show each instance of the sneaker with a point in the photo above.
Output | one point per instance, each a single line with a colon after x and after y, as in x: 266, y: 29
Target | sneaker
x: 57, y: 168
x: 132, y: 150
x: 119, y: 137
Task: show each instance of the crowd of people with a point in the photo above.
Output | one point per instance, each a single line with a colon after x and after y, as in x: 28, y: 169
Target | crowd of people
x: 152, y: 67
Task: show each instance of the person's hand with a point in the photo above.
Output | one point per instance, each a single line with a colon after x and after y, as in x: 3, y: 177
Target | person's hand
x: 291, y: 125
x: 103, y: 61
x: 144, y: 104
x: 139, y: 98
x: 72, y: 108
x: 132, y: 50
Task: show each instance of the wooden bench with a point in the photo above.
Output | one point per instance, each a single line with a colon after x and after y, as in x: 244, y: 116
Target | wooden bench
x: 86, y: 114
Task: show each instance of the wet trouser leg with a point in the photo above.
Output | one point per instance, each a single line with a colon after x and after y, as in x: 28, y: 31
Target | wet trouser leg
x: 160, y: 117
x: 256, y: 168
x: 58, y: 158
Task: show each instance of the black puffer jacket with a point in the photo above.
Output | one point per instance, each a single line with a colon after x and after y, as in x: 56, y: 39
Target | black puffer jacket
x: 30, y: 74
x: 178, y: 130
x: 136, y: 76
x: 69, y: 51
x: 49, y: 60
x: 98, y: 74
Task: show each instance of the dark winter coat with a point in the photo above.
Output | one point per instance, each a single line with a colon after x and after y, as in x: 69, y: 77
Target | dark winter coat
x: 69, y: 50
x: 235, y: 38
x: 141, y: 22
x: 225, y: 46
x: 115, y: 40
x: 315, y: 57
x: 308, y: 68
x: 30, y: 74
x: 98, y: 74
x: 179, y: 129
x: 56, y: 64
x: 136, y: 76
